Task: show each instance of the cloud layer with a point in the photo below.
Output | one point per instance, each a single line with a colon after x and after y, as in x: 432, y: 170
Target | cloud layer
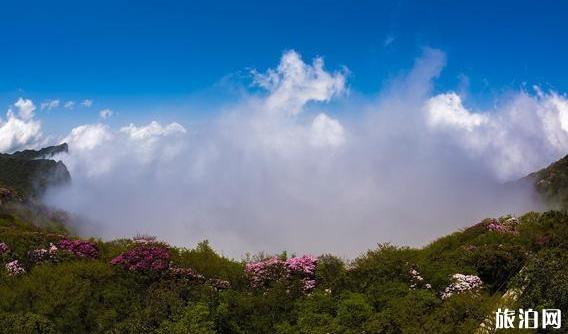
x: 522, y: 135
x: 278, y: 171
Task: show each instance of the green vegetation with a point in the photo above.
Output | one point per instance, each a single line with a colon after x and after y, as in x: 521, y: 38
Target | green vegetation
x: 552, y: 183
x: 387, y: 290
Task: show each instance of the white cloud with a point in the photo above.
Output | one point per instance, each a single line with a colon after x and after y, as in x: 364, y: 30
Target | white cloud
x: 105, y: 113
x: 153, y: 129
x: 446, y: 110
x: 25, y: 108
x: 295, y: 83
x: 69, y: 105
x: 49, y: 104
x: 523, y: 134
x: 87, y: 103
x: 250, y: 179
x: 327, y: 132
x: 88, y: 137
x: 22, y: 130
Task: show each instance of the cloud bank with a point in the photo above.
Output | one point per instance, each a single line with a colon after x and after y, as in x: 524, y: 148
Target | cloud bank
x: 280, y: 171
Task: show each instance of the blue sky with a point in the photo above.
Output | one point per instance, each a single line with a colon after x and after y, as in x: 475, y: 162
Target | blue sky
x: 152, y: 57
x: 211, y: 156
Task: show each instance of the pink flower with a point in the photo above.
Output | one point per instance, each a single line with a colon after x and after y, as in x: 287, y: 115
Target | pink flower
x: 144, y: 258
x: 264, y: 273
x: 81, y: 248
x: 4, y: 248
x: 43, y: 254
x: 14, y: 268
x: 503, y: 225
x: 186, y: 273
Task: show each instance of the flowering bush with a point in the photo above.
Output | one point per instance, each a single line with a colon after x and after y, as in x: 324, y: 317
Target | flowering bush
x: 44, y: 254
x: 219, y: 284
x: 4, y: 248
x: 417, y: 280
x: 262, y: 274
x: 462, y: 283
x: 81, y: 248
x: 305, y: 268
x: 507, y: 224
x: 186, y: 273
x: 14, y: 268
x: 144, y: 258
x: 192, y: 275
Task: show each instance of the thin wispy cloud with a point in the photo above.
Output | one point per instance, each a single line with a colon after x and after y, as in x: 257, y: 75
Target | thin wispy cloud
x: 105, y: 113
x: 69, y: 105
x: 87, y: 103
x: 50, y: 104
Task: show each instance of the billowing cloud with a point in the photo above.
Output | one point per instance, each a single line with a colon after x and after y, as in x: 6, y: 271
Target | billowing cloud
x: 446, y: 110
x: 88, y: 137
x: 25, y: 108
x: 327, y: 131
x: 522, y: 135
x: 295, y: 83
x: 20, y: 130
x: 152, y: 130
x: 275, y: 171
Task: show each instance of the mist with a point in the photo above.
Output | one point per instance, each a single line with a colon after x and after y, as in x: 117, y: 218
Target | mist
x: 309, y: 166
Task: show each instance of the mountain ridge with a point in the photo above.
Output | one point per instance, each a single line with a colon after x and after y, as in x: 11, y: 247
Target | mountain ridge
x: 30, y: 172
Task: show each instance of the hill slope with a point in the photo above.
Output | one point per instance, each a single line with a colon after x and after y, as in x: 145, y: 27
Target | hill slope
x: 30, y: 172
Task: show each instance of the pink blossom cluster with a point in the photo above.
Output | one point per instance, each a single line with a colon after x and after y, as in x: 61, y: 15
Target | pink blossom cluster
x: 144, y: 258
x: 305, y: 268
x: 192, y: 275
x: 219, y: 284
x: 462, y: 283
x: 44, y: 254
x: 81, y: 248
x: 262, y: 274
x: 186, y: 273
x: 14, y: 268
x: 4, y: 248
x: 503, y: 225
x: 417, y: 280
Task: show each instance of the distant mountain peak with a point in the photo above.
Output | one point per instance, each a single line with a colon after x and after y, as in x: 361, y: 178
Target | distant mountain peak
x: 31, y: 172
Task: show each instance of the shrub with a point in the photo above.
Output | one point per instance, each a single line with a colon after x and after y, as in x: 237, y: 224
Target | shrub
x: 25, y: 323
x: 81, y: 248
x: 267, y: 272
x: 4, y: 248
x: 194, y: 319
x: 462, y: 283
x: 41, y: 255
x: 14, y: 268
x: 144, y: 258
